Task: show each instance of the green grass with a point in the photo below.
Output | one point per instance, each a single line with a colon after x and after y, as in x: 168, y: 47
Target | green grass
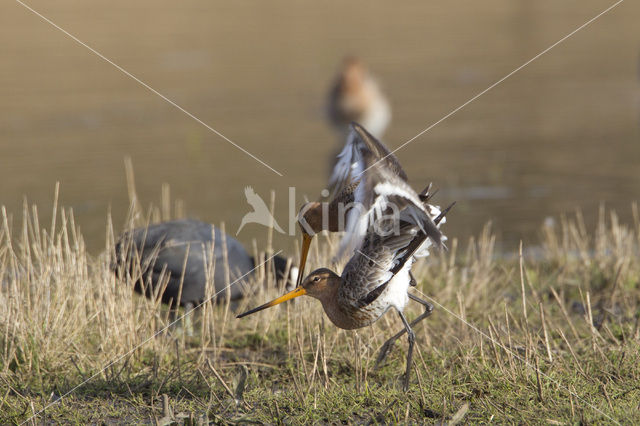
x: 547, y: 338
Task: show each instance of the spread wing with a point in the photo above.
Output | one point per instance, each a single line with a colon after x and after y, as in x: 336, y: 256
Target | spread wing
x: 379, y: 259
x: 380, y: 195
x: 350, y: 164
x: 376, y: 261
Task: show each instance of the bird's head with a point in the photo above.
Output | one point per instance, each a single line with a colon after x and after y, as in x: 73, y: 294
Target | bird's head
x: 353, y: 72
x: 320, y: 284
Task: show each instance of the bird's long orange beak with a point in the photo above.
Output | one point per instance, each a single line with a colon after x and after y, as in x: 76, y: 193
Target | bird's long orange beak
x: 299, y: 291
x: 306, y: 243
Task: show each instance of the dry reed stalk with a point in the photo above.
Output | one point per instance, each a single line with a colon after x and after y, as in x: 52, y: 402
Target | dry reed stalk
x: 523, y: 292
x: 227, y: 282
x: 538, y: 382
x: 573, y: 354
x: 492, y: 337
x: 220, y: 379
x: 564, y: 313
x: 315, y: 364
x: 510, y: 343
x: 544, y: 332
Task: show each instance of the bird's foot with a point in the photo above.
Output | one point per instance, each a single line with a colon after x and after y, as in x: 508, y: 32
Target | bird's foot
x: 405, y: 382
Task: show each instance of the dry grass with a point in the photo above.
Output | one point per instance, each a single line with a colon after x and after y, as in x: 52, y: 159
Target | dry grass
x: 550, y: 336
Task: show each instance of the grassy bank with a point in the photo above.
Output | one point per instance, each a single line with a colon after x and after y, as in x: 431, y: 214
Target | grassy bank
x: 552, y: 337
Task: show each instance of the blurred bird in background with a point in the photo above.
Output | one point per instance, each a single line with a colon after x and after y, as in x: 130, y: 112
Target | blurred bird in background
x: 356, y: 97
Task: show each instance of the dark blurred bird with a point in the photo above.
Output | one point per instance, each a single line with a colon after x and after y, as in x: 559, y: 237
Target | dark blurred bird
x: 149, y: 253
x: 397, y: 226
x: 356, y: 96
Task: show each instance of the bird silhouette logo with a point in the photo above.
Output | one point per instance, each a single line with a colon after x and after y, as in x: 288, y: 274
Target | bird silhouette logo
x: 260, y: 214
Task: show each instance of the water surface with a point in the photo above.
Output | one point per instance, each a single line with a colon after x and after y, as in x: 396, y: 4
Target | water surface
x: 562, y: 134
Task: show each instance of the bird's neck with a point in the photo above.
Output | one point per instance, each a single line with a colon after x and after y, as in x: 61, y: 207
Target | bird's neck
x: 335, y: 309
x: 325, y: 217
x: 338, y: 209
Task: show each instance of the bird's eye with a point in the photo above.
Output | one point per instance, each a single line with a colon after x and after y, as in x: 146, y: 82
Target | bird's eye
x: 316, y: 279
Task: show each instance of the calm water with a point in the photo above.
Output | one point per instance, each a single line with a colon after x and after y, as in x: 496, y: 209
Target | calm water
x: 559, y: 135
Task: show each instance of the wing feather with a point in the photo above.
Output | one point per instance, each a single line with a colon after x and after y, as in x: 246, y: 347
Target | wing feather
x: 380, y: 194
x: 375, y: 263
x: 350, y: 164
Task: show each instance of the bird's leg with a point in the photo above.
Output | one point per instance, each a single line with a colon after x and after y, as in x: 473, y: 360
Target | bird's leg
x: 428, y: 308
x: 388, y: 345
x: 411, y: 336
